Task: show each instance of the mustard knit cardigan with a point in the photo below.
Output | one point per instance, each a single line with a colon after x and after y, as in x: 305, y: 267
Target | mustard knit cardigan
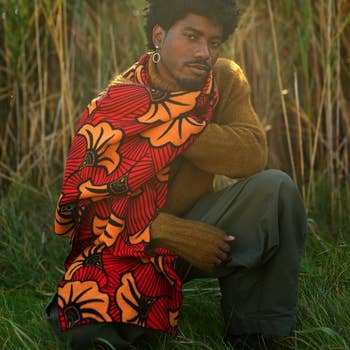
x: 233, y: 144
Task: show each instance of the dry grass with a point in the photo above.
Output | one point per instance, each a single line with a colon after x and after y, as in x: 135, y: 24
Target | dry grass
x: 55, y: 55
x: 297, y: 60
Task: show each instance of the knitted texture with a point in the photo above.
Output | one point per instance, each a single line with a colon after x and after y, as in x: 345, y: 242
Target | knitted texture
x: 233, y: 144
x: 201, y: 246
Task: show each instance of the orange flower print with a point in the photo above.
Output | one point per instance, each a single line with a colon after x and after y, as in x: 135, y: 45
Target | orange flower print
x: 98, y: 225
x: 91, y: 256
x: 83, y: 300
x: 92, y: 106
x: 102, y: 143
x: 175, y: 132
x: 166, y: 106
x: 143, y: 236
x: 134, y: 306
x: 134, y: 73
x: 158, y: 264
x: 115, y: 225
x: 174, y: 318
x: 67, y: 217
x: 119, y: 187
x: 88, y: 189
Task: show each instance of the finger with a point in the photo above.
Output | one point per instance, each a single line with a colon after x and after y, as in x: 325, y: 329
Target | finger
x: 221, y: 255
x: 217, y: 262
x: 230, y: 238
x: 225, y: 247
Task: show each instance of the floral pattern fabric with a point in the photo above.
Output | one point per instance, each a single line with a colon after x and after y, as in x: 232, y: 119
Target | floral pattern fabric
x: 115, y: 183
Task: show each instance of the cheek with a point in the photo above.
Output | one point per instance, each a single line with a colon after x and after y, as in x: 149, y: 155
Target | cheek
x: 214, y: 56
x: 175, y: 54
x: 215, y: 52
x: 170, y: 59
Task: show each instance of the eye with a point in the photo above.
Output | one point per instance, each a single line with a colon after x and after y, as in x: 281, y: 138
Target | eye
x: 215, y: 44
x: 191, y: 36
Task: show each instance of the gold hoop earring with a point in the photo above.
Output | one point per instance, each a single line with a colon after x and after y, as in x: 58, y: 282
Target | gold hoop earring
x: 156, y: 56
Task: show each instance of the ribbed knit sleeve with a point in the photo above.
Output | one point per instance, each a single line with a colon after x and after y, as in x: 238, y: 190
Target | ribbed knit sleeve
x: 234, y: 144
x: 195, y: 241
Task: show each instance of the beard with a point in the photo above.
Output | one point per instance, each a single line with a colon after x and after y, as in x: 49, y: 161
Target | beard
x: 191, y: 84
x: 188, y: 84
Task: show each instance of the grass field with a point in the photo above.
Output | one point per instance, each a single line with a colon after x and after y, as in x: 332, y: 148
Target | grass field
x: 31, y: 260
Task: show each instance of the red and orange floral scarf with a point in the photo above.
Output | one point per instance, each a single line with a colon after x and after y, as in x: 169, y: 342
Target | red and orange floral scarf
x: 114, y: 185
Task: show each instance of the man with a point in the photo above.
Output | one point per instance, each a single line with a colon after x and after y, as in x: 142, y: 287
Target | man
x: 138, y: 203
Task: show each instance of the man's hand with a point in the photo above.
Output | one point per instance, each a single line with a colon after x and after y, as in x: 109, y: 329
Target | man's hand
x: 203, y: 245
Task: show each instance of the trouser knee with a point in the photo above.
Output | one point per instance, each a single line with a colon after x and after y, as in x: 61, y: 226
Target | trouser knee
x: 271, y: 179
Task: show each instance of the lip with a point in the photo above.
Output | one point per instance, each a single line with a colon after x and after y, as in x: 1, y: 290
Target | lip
x: 198, y: 68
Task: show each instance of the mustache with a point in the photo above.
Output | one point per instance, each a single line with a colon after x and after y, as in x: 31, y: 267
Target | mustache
x: 201, y: 62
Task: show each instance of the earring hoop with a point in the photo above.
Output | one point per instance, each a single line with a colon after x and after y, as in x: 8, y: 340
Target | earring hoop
x: 156, y: 56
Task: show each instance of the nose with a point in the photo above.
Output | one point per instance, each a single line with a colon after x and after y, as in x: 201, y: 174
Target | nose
x: 202, y: 51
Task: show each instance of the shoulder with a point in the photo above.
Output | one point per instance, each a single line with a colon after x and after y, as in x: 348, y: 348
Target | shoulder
x: 225, y: 65
x: 230, y: 78
x: 228, y: 73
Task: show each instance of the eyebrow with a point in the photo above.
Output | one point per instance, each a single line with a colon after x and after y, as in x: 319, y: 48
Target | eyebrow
x: 200, y: 33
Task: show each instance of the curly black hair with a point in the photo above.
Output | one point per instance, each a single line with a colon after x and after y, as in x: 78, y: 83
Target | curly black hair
x: 166, y: 12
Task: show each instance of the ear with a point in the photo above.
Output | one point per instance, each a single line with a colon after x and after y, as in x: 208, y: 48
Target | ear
x: 158, y: 35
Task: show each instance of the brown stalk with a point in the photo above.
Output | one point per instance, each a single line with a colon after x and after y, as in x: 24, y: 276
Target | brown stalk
x: 41, y: 92
x: 300, y: 134
x: 281, y: 88
x: 311, y: 182
x: 329, y: 107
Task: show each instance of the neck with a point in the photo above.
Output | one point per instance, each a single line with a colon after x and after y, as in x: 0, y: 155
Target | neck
x: 158, y: 82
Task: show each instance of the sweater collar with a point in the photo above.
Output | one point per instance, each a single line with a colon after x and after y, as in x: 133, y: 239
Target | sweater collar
x: 159, y: 83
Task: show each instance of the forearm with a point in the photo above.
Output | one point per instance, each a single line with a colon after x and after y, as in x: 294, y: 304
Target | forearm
x: 170, y: 231
x: 201, y: 244
x: 231, y: 150
x: 234, y: 143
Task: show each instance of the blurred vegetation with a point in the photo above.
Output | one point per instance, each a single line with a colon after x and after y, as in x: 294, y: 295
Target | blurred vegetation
x: 55, y: 55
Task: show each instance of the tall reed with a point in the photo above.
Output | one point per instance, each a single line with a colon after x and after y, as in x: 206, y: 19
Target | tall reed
x: 55, y: 55
x: 296, y: 57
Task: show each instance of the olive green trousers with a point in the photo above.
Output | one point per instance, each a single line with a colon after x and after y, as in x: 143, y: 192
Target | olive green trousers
x: 259, y: 284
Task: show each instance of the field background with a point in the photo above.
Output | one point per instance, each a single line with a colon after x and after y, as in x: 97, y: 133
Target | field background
x: 56, y: 55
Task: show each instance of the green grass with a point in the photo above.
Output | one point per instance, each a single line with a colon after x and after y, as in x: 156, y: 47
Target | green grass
x: 31, y: 259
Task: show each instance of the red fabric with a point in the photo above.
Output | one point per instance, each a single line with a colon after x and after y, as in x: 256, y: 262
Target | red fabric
x: 114, y: 185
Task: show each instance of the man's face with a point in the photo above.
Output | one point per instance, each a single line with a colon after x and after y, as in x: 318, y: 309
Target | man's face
x: 189, y: 49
